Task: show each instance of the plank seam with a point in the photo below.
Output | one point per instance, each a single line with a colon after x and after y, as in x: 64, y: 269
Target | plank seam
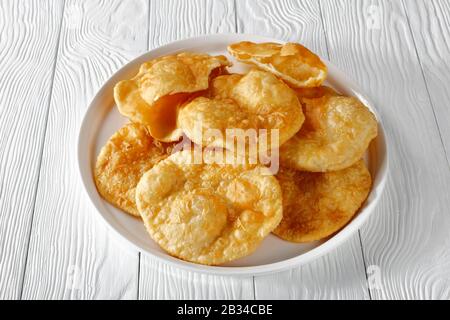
x: 236, y: 28
x: 138, y: 275
x: 235, y: 17
x: 425, y: 82
x: 359, y: 231
x: 49, y: 101
x: 139, y: 253
x: 254, y: 288
x: 148, y: 26
x: 364, y: 264
x: 323, y: 28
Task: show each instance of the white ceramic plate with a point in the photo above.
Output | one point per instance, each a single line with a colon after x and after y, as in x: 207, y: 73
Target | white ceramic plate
x: 102, y: 119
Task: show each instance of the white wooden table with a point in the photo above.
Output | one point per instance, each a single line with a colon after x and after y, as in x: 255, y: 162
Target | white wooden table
x: 54, y: 55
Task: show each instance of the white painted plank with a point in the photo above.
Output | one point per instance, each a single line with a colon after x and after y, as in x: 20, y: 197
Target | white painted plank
x: 430, y: 25
x: 169, y: 21
x: 178, y: 19
x: 340, y: 274
x: 407, y: 242
x: 71, y: 253
x: 28, y: 40
x: 160, y: 281
x: 287, y: 20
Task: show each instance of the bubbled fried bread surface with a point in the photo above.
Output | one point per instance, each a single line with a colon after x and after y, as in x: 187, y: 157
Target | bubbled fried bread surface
x: 292, y: 62
x: 208, y: 213
x: 316, y: 205
x: 161, y: 86
x: 336, y: 133
x: 220, y: 207
x: 256, y: 100
x: 127, y: 155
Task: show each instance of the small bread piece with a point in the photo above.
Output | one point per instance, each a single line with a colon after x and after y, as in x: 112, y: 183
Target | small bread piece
x: 205, y: 212
x: 257, y: 100
x: 292, y: 62
x: 316, y: 205
x: 162, y: 85
x: 127, y: 155
x: 336, y: 133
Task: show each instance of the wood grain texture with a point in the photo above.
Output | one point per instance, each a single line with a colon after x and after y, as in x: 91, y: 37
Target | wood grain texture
x: 160, y: 281
x: 340, y: 274
x: 178, y: 19
x: 28, y: 40
x: 406, y: 242
x: 169, y: 21
x: 397, y: 51
x: 72, y: 255
x: 430, y: 25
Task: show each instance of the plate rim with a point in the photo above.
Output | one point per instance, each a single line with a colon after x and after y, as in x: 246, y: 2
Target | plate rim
x: 332, y: 243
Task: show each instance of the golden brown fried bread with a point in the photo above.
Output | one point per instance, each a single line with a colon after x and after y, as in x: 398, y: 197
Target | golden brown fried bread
x: 127, y: 155
x: 336, y: 133
x: 315, y: 92
x: 222, y: 86
x: 205, y: 212
x: 257, y: 100
x: 161, y: 86
x: 292, y: 62
x: 316, y: 205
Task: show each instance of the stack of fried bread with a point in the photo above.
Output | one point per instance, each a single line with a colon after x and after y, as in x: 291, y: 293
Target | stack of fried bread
x: 211, y: 212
